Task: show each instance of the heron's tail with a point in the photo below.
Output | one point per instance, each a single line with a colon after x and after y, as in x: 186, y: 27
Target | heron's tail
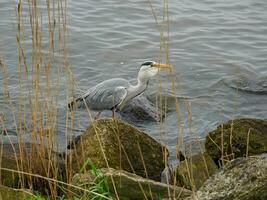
x: 75, y: 103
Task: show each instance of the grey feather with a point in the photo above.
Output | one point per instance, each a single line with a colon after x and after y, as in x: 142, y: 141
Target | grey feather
x: 105, y: 95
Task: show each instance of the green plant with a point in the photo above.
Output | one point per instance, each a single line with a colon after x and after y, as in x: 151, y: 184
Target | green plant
x: 38, y: 197
x: 99, y: 184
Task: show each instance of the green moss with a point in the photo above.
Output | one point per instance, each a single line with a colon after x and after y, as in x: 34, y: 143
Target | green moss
x: 239, y: 130
x: 124, y: 146
x: 132, y: 187
x: 259, y: 193
x: 202, y: 166
x: 7, y: 193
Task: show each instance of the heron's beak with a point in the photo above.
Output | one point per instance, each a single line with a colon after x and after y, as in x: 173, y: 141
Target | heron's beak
x: 162, y: 66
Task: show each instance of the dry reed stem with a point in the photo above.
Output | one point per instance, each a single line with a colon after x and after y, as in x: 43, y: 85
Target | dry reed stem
x: 42, y: 114
x: 5, y: 80
x: 164, y: 45
x: 247, y: 142
x: 231, y: 136
x: 207, y: 133
x: 144, y: 165
x: 128, y: 160
x: 190, y: 170
x: 222, y: 144
x: 38, y: 79
x: 102, y: 149
x: 54, y: 181
x: 204, y: 160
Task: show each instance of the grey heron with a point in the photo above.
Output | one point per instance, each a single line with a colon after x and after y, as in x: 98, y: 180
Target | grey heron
x: 115, y: 93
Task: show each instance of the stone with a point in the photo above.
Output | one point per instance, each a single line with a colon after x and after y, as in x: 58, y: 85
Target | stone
x: 29, y: 158
x: 113, y: 143
x: 7, y: 193
x: 251, y: 83
x: 240, y: 179
x: 236, y: 135
x: 202, y: 168
x: 140, y: 109
x: 129, y: 186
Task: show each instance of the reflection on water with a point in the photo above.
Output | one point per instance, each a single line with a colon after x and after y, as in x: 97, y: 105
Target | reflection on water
x: 217, y: 47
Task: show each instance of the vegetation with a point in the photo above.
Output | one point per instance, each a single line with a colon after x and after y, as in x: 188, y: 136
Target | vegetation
x: 99, y: 184
x: 44, y: 74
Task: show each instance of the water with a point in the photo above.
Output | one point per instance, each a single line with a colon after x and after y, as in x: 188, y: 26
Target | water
x: 218, y: 49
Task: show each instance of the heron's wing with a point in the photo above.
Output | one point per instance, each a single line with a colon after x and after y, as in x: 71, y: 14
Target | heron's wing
x: 100, y: 98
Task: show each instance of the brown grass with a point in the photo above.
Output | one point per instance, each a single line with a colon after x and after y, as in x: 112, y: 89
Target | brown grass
x: 40, y: 83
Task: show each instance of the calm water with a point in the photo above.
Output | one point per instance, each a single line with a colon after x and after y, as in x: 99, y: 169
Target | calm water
x: 218, y: 49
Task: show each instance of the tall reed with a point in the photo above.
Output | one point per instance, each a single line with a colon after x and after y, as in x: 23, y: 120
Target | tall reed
x: 44, y: 74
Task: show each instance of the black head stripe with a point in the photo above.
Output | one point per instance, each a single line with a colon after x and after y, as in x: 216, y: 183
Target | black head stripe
x: 147, y: 63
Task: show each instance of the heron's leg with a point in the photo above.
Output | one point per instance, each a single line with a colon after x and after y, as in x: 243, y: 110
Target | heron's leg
x: 113, y: 112
x: 98, y: 114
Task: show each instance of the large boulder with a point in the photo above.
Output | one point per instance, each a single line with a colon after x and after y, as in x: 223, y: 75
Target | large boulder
x: 193, y: 172
x: 236, y: 135
x: 129, y: 186
x: 241, y: 179
x: 113, y: 143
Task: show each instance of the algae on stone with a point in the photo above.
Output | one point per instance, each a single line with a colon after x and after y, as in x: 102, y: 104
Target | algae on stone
x: 129, y: 186
x: 7, y: 193
x: 202, y: 168
x: 112, y: 143
x: 236, y: 134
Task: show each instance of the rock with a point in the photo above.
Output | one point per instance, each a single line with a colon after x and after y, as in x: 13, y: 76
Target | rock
x: 7, y: 193
x: 202, y: 168
x: 167, y: 175
x: 238, y: 129
x: 140, y: 109
x: 248, y: 83
x: 132, y: 187
x: 29, y: 158
x: 241, y: 179
x: 113, y: 143
x: 180, y: 156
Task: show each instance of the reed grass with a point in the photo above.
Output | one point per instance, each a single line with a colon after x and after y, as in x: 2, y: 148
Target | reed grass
x: 40, y: 83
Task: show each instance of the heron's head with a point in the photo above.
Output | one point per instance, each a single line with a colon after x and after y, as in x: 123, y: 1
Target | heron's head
x: 150, y: 69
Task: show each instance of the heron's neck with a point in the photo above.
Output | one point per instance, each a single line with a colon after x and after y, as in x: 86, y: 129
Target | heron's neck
x: 137, y: 89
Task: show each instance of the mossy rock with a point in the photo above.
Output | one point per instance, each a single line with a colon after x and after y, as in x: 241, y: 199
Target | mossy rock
x: 240, y: 179
x: 129, y: 186
x: 7, y: 193
x: 202, y: 168
x: 235, y: 139
x: 113, y: 143
x: 32, y: 159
